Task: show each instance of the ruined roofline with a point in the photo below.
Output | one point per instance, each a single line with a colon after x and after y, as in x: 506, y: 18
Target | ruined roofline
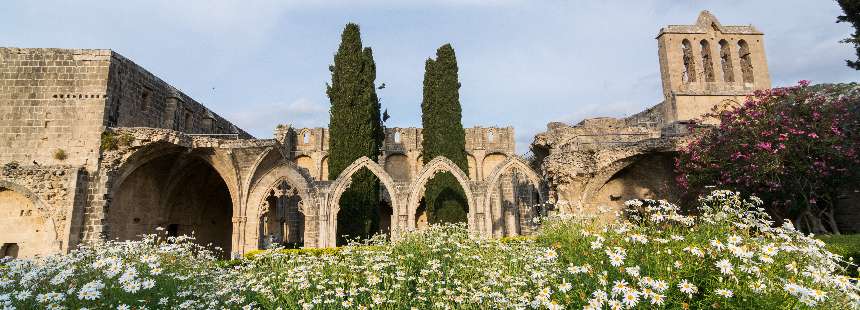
x: 113, y: 57
x: 705, y: 23
x: 406, y: 128
x: 178, y: 93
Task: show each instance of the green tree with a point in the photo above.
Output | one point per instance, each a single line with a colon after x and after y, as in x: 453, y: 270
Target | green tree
x: 443, y: 136
x: 797, y: 148
x: 355, y: 130
x: 851, y: 9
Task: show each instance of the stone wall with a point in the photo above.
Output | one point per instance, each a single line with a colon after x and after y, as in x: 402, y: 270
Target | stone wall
x: 140, y: 99
x: 41, y: 209
x: 52, y: 100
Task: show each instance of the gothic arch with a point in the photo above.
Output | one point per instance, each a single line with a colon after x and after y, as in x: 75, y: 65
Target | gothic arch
x: 284, y: 171
x: 511, y: 162
x: 159, y: 149
x: 343, y: 181
x: 438, y: 164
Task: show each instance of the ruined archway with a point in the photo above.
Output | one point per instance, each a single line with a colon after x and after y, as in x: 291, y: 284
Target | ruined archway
x: 174, y: 189
x: 644, y: 176
x: 438, y: 165
x: 27, y: 232
x: 489, y: 163
x: 342, y: 183
x: 526, y: 195
x: 282, y: 207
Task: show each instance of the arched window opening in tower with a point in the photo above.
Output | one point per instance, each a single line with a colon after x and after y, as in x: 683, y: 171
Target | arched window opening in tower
x: 689, y: 74
x: 726, y: 62
x: 707, y: 61
x: 746, y: 61
x: 306, y: 137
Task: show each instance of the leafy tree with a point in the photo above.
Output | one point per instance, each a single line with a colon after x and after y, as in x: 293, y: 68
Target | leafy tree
x: 851, y: 9
x: 796, y: 148
x: 355, y: 130
x: 443, y: 136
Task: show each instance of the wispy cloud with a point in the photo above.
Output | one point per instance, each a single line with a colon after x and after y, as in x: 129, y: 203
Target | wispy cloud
x: 262, y: 118
x: 522, y: 63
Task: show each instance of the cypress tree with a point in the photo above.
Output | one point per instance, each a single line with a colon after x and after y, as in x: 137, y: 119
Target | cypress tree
x: 355, y: 130
x: 443, y: 136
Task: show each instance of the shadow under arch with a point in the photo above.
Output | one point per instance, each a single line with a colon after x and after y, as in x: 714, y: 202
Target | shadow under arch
x: 343, y: 181
x: 186, y: 191
x: 437, y: 165
x: 57, y: 245
x: 617, y: 168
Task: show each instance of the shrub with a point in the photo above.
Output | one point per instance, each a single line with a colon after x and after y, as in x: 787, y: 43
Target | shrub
x: 109, y: 141
x: 796, y: 147
x: 153, y: 273
x: 728, y: 256
x: 60, y: 154
x: 125, y: 139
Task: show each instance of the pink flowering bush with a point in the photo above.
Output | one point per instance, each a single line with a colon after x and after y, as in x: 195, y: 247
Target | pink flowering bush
x: 795, y: 147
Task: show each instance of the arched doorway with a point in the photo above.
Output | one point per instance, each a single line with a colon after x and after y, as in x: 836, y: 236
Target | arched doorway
x: 26, y: 233
x: 179, y: 192
x: 345, y: 223
x: 420, y: 212
x: 282, y: 221
x: 513, y: 198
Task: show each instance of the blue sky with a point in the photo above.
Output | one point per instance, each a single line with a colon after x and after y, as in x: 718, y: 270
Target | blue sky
x: 522, y: 63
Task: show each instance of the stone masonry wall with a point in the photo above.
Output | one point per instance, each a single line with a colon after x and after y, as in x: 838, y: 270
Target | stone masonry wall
x: 140, y: 99
x: 51, y: 100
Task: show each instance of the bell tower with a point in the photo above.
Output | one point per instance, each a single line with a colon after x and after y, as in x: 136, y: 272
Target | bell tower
x: 708, y: 64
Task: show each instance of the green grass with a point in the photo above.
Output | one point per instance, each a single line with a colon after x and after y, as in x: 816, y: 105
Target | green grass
x: 846, y: 245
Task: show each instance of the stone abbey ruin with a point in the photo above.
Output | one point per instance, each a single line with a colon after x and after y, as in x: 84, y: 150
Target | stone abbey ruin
x: 93, y: 146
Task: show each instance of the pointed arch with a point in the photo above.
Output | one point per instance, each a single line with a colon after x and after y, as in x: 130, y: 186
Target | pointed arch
x: 513, y: 162
x: 343, y: 181
x: 284, y: 171
x: 438, y: 164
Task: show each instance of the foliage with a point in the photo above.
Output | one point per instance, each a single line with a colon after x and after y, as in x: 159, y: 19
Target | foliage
x: 729, y: 256
x: 443, y: 135
x: 306, y: 251
x: 109, y: 141
x: 60, y: 154
x: 851, y: 9
x: 356, y: 130
x: 795, y: 147
x: 154, y: 273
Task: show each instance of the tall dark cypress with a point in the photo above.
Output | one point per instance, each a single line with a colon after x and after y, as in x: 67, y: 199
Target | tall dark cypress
x: 355, y: 130
x: 443, y: 136
x: 851, y: 11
